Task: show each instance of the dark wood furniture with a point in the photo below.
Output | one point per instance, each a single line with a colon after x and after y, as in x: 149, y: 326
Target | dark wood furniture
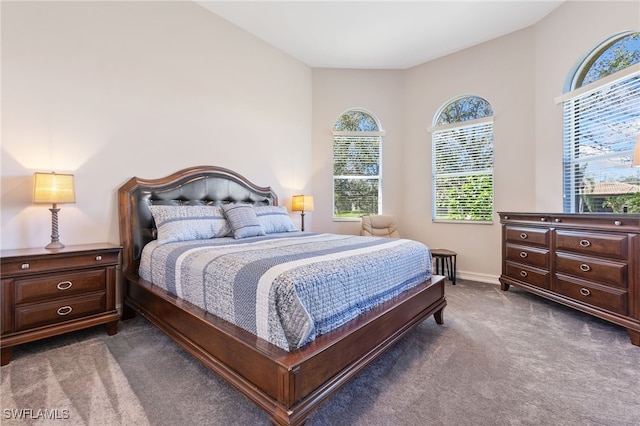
x: 445, y: 261
x: 590, y: 262
x: 50, y: 292
x: 286, y: 385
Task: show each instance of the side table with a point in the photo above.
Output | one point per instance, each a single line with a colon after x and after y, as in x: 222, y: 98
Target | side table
x: 49, y: 292
x: 445, y: 261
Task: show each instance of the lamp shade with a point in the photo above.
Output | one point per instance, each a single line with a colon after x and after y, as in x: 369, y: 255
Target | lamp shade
x: 53, y: 188
x: 636, y: 154
x: 302, y: 203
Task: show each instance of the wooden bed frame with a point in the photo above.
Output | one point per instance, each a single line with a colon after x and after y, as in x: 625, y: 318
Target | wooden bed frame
x: 288, y: 386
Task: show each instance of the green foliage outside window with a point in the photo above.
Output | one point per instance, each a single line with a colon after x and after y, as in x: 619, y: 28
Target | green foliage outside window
x: 469, y: 198
x: 629, y: 203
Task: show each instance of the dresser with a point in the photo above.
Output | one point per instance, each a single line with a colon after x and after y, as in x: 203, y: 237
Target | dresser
x: 50, y: 292
x: 590, y: 262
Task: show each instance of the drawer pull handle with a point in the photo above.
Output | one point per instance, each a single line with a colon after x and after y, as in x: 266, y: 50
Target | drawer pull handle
x: 64, y: 285
x: 617, y: 223
x: 543, y: 219
x: 523, y: 236
x: 557, y: 220
x: 25, y: 266
x: 98, y: 258
x: 64, y: 310
x: 585, y: 291
x: 585, y: 268
x: 523, y: 273
x: 523, y: 254
x: 585, y: 243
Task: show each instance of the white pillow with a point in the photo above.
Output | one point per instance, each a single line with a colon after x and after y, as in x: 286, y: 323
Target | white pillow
x: 184, y: 223
x: 274, y: 219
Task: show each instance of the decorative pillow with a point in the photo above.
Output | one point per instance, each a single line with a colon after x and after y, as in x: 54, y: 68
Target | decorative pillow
x: 274, y: 219
x: 243, y: 220
x: 184, y: 223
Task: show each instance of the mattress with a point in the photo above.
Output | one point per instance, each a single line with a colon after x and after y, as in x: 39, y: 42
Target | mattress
x: 287, y: 288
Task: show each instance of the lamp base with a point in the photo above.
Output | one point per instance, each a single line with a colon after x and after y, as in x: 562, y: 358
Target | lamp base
x: 54, y: 245
x: 55, y: 237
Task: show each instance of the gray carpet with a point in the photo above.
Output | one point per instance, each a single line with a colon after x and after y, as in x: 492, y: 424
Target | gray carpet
x: 500, y: 359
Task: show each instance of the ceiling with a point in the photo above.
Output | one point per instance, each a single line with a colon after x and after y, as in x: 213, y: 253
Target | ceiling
x: 378, y: 34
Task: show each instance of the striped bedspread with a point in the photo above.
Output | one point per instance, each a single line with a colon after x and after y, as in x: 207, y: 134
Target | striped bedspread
x: 287, y: 288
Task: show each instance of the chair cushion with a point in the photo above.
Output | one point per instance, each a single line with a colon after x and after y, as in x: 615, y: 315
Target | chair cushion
x: 380, y: 226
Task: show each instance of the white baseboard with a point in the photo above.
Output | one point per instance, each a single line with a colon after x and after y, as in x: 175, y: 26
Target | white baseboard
x: 474, y: 276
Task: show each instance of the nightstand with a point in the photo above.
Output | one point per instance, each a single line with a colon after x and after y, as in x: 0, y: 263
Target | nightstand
x: 45, y: 293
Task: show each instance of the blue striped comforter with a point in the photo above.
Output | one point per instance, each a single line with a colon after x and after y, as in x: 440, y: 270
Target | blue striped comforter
x: 287, y: 288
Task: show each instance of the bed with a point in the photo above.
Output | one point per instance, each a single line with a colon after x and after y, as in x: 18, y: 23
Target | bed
x: 287, y: 372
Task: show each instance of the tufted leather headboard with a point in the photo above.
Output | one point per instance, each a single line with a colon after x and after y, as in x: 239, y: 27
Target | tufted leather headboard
x: 208, y: 185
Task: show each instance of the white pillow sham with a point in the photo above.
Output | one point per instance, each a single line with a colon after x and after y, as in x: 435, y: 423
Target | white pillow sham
x: 274, y: 219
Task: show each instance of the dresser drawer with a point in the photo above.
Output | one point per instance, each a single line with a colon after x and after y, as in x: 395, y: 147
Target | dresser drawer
x: 609, y: 245
x: 47, y: 287
x: 593, y: 269
x: 45, y: 313
x: 609, y: 298
x: 533, y: 276
x: 527, y: 235
x: 37, y: 264
x: 528, y: 255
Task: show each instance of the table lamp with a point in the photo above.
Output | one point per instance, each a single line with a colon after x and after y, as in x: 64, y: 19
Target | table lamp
x: 52, y: 188
x: 302, y: 203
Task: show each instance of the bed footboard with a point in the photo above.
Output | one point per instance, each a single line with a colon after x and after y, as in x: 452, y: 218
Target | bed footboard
x: 288, y: 386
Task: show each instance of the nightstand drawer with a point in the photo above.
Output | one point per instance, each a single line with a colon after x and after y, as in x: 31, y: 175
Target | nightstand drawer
x: 38, y: 314
x: 59, y: 285
x: 61, y: 263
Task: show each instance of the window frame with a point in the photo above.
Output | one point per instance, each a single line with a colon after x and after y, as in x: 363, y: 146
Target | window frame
x: 616, y: 137
x: 480, y: 124
x: 379, y: 134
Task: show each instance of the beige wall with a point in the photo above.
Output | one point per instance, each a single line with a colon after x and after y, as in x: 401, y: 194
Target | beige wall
x: 520, y: 75
x: 109, y: 90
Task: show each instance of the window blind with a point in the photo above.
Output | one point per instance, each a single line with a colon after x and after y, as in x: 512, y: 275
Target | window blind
x: 356, y: 175
x: 600, y: 129
x: 463, y: 172
x: 356, y: 155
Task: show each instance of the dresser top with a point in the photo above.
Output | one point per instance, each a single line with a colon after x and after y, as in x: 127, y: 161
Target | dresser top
x: 68, y: 250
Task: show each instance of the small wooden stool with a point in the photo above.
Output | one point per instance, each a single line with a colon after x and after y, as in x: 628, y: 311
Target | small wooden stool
x: 445, y: 262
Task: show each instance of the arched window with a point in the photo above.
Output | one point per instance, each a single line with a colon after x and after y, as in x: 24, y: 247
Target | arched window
x: 357, y: 165
x: 601, y: 112
x: 462, y: 161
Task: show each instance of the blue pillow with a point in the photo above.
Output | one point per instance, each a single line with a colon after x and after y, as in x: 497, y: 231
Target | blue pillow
x: 274, y: 219
x: 184, y: 223
x: 242, y: 220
